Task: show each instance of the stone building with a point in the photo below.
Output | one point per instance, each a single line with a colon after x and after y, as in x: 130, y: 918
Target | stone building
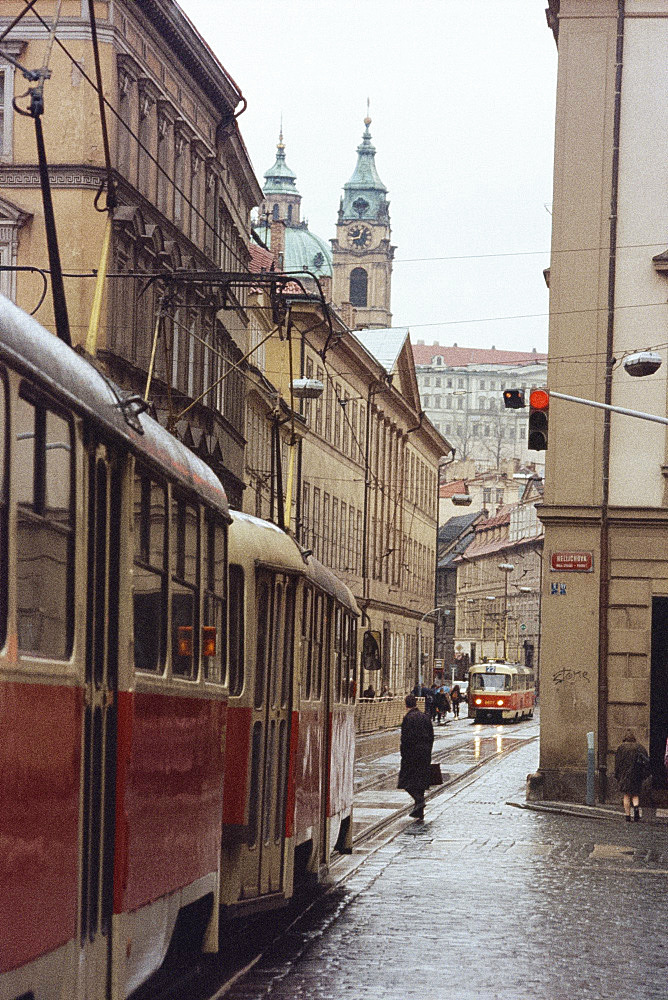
x: 605, y: 594
x: 366, y: 479
x: 498, y: 609
x: 185, y: 188
x: 461, y: 391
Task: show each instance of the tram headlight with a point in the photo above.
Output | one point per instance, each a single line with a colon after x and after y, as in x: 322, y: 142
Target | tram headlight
x: 478, y: 701
x: 500, y: 701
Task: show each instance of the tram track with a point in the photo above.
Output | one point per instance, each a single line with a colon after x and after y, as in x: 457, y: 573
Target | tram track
x: 287, y: 929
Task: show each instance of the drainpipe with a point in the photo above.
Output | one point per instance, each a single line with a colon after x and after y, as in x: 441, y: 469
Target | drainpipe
x: 604, y: 583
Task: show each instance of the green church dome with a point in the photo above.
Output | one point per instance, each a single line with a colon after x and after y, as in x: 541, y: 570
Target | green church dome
x: 303, y: 249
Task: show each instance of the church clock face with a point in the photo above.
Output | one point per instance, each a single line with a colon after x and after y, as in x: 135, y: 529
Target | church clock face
x: 359, y: 237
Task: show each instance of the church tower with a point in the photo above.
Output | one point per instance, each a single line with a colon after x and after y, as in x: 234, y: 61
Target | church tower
x: 282, y: 200
x: 361, y: 253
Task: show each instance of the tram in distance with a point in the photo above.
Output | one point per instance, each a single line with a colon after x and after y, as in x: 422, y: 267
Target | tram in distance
x: 176, y: 702
x: 500, y: 690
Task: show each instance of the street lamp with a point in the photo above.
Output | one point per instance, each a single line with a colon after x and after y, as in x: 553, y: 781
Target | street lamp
x: 506, y: 569
x: 434, y: 611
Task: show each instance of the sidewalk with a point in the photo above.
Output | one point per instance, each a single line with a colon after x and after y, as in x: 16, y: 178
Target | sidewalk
x: 484, y: 901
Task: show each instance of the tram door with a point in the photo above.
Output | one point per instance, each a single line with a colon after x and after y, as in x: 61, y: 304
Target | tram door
x: 99, y: 729
x: 270, y: 740
x: 332, y: 620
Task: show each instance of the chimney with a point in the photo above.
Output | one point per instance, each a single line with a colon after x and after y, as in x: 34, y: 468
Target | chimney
x: 278, y: 242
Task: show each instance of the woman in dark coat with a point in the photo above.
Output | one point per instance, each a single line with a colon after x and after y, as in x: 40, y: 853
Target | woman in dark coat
x: 417, y: 738
x: 631, y: 767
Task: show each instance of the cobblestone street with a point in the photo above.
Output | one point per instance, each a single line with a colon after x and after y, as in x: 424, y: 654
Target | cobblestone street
x: 485, y: 901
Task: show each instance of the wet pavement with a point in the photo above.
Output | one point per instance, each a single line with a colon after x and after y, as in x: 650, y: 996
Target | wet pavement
x: 484, y: 901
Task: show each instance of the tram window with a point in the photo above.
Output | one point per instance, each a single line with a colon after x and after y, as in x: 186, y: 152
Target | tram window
x: 338, y: 656
x: 307, y: 634
x: 348, y: 658
x: 148, y: 596
x: 277, y: 634
x: 318, y: 623
x: 236, y: 629
x: 254, y: 790
x: 288, y: 643
x: 263, y: 601
x: 213, y: 645
x: 185, y: 648
x: 279, y: 815
x: 45, y: 530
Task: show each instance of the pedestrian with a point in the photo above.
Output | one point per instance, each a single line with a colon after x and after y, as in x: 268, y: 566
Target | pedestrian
x: 441, y: 703
x: 455, y: 698
x: 369, y: 692
x: 417, y: 738
x: 631, y: 767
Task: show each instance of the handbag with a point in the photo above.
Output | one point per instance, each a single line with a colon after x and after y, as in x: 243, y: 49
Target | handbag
x: 435, y: 776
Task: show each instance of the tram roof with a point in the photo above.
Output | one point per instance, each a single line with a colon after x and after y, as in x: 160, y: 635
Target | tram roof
x: 274, y: 547
x: 34, y: 352
x: 501, y: 665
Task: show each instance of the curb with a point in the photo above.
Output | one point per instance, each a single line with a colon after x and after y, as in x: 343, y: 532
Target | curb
x: 590, y: 812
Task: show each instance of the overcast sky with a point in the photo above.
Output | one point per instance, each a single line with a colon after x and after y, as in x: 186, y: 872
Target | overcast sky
x: 462, y: 105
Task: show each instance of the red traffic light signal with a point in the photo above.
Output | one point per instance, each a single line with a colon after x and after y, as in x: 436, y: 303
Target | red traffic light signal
x: 539, y: 408
x: 513, y: 399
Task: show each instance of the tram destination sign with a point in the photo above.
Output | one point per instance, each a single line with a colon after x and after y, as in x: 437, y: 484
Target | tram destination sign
x: 572, y: 562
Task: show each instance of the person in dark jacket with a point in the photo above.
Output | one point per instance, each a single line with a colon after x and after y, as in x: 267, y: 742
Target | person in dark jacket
x: 417, y: 738
x: 631, y: 767
x: 455, y: 698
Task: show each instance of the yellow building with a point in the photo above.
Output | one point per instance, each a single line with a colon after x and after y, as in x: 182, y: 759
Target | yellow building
x: 184, y: 186
x: 604, y: 659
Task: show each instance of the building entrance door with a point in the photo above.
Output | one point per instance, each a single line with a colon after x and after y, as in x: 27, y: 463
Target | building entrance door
x: 658, y: 710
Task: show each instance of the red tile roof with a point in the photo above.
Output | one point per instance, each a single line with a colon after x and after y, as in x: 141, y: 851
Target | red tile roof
x: 455, y: 357
x: 450, y: 489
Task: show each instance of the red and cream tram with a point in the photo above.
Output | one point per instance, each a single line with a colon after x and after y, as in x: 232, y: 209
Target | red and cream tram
x: 173, y: 736
x: 500, y: 690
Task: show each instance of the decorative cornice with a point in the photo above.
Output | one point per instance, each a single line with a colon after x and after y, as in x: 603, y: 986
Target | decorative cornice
x: 72, y: 175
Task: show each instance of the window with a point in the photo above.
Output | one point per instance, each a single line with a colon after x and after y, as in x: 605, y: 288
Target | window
x: 6, y: 110
x: 213, y: 625
x: 482, y: 385
x: 449, y: 383
x: 437, y: 402
x: 45, y: 539
x: 184, y: 564
x: 274, y: 213
x: 460, y: 383
x: 358, y: 286
x: 236, y: 620
x: 180, y: 147
x: 149, y: 596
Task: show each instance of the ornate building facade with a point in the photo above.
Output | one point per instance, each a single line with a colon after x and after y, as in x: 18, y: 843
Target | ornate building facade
x: 185, y: 188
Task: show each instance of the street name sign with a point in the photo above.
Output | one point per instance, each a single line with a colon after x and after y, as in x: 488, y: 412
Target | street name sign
x: 572, y: 562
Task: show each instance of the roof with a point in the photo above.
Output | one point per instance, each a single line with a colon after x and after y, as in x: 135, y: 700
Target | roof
x: 303, y: 249
x: 279, y: 179
x: 364, y: 195
x: 457, y: 357
x: 384, y: 344
x: 455, y: 526
x: 456, y: 487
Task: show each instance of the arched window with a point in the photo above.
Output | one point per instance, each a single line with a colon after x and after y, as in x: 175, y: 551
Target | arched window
x: 358, y: 286
x: 289, y: 213
x: 275, y: 213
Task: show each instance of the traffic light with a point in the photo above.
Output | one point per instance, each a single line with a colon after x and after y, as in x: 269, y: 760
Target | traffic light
x: 513, y: 399
x: 539, y: 410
